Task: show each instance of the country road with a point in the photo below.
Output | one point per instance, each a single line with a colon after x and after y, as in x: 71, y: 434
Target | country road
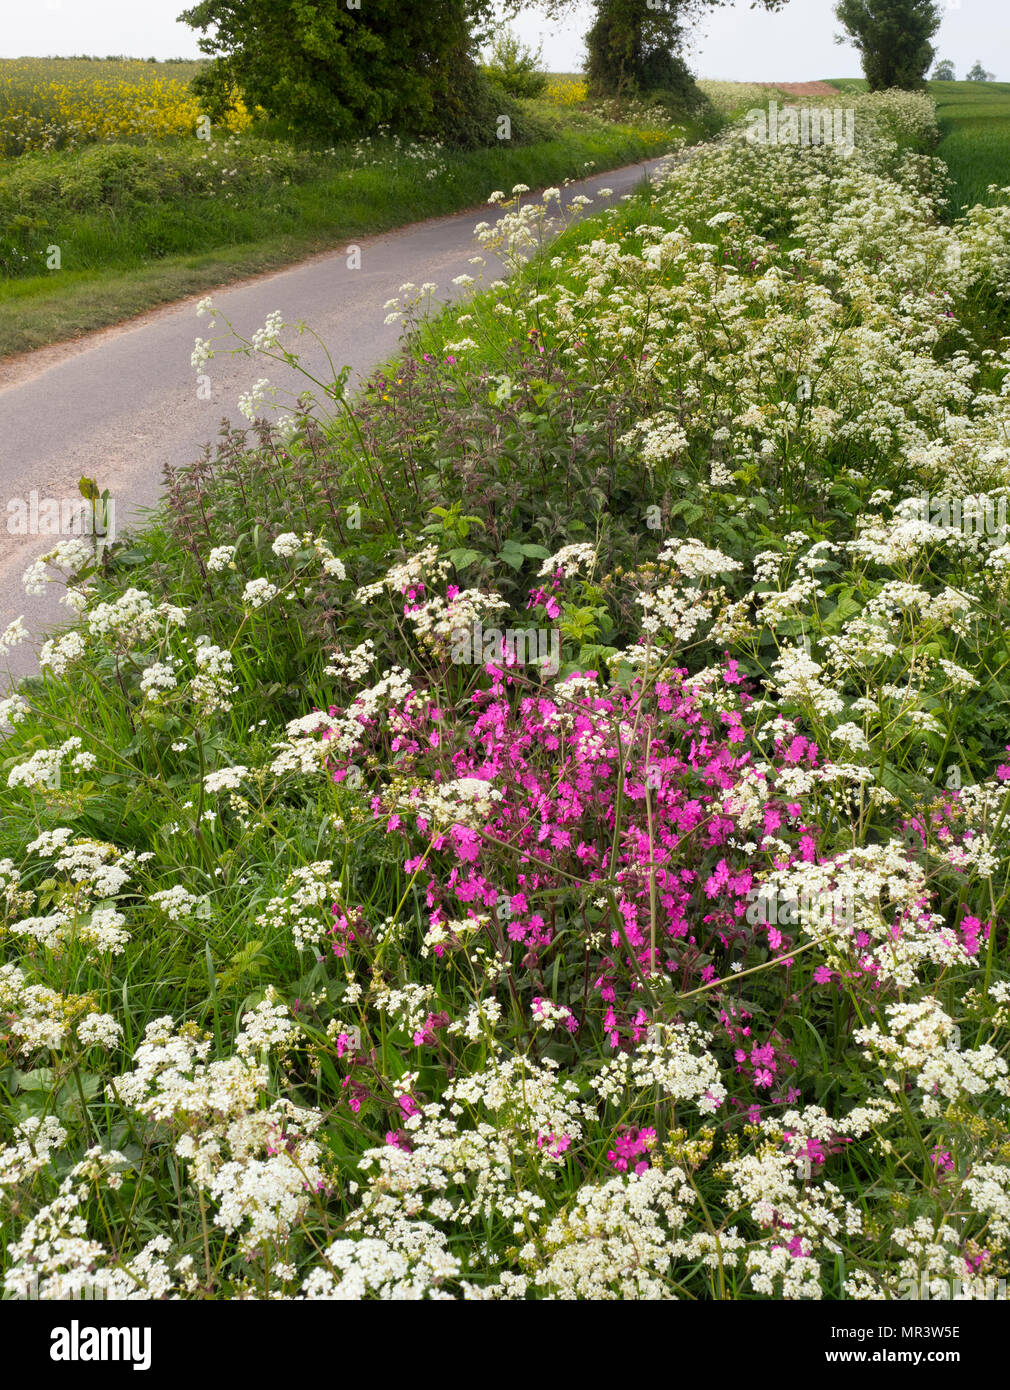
x: 120, y: 404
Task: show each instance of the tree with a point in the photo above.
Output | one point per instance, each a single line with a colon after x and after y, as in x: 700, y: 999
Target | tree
x: 893, y: 39
x: 944, y: 71
x: 636, y: 45
x: 632, y: 47
x: 517, y: 68
x: 979, y: 74
x: 333, y: 69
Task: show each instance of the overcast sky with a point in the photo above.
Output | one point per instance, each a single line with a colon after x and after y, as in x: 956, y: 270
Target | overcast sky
x: 734, y: 43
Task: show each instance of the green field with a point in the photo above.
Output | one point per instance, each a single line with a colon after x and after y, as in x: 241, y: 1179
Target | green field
x: 974, y: 119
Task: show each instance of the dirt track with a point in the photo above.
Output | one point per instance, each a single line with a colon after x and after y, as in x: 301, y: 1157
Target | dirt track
x: 803, y: 89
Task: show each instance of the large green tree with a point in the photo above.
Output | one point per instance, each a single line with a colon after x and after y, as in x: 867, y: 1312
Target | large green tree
x: 632, y: 46
x: 334, y: 69
x: 893, y: 39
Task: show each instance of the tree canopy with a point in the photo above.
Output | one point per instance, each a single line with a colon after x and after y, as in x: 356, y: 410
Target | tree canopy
x: 979, y: 74
x: 338, y: 68
x: 893, y: 39
x: 337, y: 71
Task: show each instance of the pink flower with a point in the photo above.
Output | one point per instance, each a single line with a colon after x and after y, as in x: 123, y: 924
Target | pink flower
x: 629, y: 1144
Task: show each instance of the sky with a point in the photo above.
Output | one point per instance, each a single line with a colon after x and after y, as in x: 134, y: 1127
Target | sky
x: 735, y: 43
x: 738, y: 44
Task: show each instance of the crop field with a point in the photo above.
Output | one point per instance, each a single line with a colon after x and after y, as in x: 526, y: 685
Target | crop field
x: 566, y: 89
x: 65, y: 103
x: 974, y: 122
x: 975, y: 125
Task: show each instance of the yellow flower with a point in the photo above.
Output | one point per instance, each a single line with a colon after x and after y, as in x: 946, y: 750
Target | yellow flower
x: 48, y: 103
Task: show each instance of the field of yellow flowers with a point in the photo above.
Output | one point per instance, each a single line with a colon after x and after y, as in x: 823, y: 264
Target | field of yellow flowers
x: 564, y: 89
x: 63, y: 103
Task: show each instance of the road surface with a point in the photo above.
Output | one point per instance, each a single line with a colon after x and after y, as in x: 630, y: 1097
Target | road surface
x: 120, y: 404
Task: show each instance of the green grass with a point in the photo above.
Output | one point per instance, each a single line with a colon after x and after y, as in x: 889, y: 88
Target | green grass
x: 140, y: 226
x: 974, y: 121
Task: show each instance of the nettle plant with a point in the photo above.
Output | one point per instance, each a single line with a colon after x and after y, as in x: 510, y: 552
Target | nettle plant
x: 496, y: 460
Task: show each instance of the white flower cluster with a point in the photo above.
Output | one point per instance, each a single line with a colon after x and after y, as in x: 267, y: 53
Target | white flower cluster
x: 157, y: 678
x: 304, y: 905
x: 34, y: 1141
x: 258, y: 1164
x: 221, y: 557
x: 353, y: 665
x: 225, y: 779
x: 38, y: 1019
x: 409, y: 1261
x: 258, y: 592
x: 14, y: 634
x: 411, y: 572
x: 620, y: 1238
x: 69, y: 556
x: 920, y: 1043
x: 212, y: 686
x: 132, y: 620
x: 44, y: 768
x: 314, y: 739
x: 177, y: 903
x: 569, y: 560
x: 249, y: 404
x: 101, y: 930
x: 463, y: 801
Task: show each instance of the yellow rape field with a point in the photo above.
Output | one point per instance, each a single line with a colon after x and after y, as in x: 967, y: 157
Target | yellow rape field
x: 563, y: 90
x: 63, y: 103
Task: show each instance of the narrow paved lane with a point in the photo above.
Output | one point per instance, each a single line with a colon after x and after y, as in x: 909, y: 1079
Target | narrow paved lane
x: 121, y: 404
